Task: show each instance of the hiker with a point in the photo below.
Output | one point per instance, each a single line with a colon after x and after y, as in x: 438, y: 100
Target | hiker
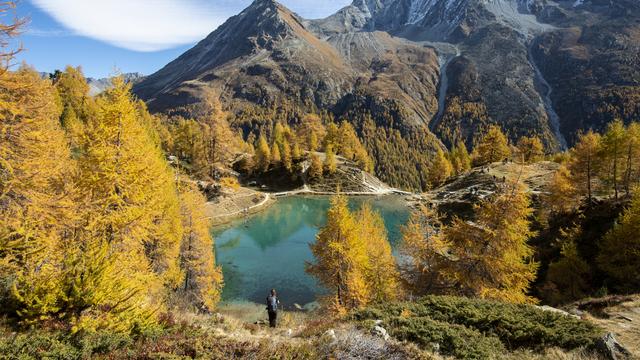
x: 272, y: 307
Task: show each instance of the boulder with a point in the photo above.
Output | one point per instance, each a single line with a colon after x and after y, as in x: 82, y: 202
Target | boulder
x: 330, y: 334
x: 611, y: 348
x: 558, y: 311
x: 380, y: 331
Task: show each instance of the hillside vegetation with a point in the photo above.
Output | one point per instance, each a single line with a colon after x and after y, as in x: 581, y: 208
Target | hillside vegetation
x: 106, y: 249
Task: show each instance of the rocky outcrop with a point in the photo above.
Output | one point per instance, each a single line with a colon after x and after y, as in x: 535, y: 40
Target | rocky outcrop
x: 611, y: 349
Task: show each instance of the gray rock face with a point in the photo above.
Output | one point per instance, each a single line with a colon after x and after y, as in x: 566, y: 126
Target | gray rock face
x: 545, y: 68
x: 611, y: 348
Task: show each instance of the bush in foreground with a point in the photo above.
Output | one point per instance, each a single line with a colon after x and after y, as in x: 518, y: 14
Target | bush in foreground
x: 472, y: 328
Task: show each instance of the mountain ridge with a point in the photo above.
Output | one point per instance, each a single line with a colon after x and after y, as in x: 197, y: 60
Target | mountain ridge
x: 437, y: 70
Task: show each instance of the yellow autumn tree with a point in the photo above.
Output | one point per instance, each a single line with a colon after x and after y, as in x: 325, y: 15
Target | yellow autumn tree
x: 220, y: 142
x: 619, y: 253
x: 287, y: 159
x: 74, y: 92
x: 632, y: 157
x: 315, y: 168
x: 460, y: 158
x: 584, y: 165
x: 381, y: 274
x: 493, y: 147
x: 202, y: 282
x: 340, y: 258
x: 612, y: 155
x: 491, y: 257
x: 263, y: 154
x: 330, y: 162
x: 561, y: 194
x: 36, y: 197
x: 276, y: 157
x: 132, y: 218
x: 530, y: 149
x: 441, y: 169
x: 427, y: 249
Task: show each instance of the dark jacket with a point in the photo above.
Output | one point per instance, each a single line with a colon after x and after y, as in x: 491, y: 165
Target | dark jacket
x: 272, y: 303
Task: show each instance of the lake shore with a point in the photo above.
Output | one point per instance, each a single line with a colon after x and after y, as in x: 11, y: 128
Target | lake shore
x: 241, y: 203
x: 245, y: 201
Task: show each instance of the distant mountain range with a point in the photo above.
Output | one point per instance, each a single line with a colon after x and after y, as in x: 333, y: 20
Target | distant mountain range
x: 447, y: 68
x: 96, y: 86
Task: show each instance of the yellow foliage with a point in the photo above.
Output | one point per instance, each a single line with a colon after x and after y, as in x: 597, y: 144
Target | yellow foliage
x: 530, y: 149
x: 230, y: 182
x: 353, y: 258
x: 441, y: 169
x: 35, y: 196
x: 202, y: 283
x: 423, y: 243
x: 341, y: 259
x: 584, y: 164
x: 381, y: 273
x: 490, y: 257
x: 493, y: 147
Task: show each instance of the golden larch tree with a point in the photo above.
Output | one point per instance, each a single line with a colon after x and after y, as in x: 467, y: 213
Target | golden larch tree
x: 441, y: 169
x: 132, y: 216
x: 460, y: 158
x: 263, y: 154
x: 493, y: 147
x: 330, y: 162
x: 202, y: 282
x: 341, y: 258
x: 427, y: 249
x: 381, y: 273
x: 584, y: 164
x: 612, y: 153
x: 530, y: 149
x: 36, y: 197
x: 491, y: 256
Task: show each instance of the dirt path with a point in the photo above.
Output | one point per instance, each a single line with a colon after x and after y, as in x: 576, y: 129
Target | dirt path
x: 241, y: 203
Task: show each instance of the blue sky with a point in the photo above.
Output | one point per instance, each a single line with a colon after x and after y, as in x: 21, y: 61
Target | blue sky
x: 104, y: 36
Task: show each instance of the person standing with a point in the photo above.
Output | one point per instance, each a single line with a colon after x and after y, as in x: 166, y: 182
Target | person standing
x: 272, y: 307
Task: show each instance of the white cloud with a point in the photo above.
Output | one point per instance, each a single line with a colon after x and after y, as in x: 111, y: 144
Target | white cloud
x: 152, y: 25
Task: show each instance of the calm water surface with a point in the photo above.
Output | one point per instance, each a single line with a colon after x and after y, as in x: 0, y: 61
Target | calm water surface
x: 269, y: 250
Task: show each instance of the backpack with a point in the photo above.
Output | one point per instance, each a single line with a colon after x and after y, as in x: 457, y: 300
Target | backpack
x: 272, y: 303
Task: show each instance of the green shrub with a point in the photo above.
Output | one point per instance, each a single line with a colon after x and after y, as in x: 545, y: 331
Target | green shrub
x: 516, y: 326
x: 454, y: 340
x: 35, y: 344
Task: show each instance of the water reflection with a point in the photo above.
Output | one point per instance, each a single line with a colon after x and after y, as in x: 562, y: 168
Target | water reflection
x: 269, y: 250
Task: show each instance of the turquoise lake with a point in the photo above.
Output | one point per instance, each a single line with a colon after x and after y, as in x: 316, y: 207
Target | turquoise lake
x: 269, y: 249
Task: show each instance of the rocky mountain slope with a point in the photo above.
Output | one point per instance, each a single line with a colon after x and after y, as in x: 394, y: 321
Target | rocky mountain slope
x: 421, y: 68
x: 97, y: 86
